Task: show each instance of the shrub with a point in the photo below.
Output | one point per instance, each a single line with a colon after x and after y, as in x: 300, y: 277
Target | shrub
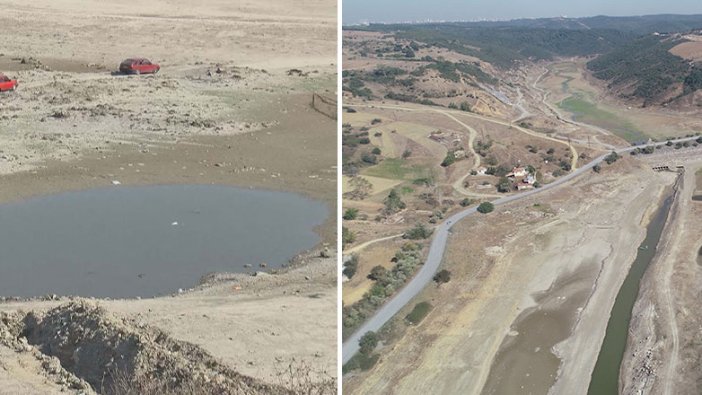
x: 418, y: 232
x: 347, y: 236
x: 442, y: 277
x: 378, y: 273
x: 376, y: 151
x: 466, y: 202
x: 393, y: 203
x: 611, y: 158
x: 350, y: 214
x: 486, y: 207
x: 368, y: 342
x: 449, y: 159
x: 351, y: 266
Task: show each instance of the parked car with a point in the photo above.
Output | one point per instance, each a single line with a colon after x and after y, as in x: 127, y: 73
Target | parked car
x: 7, y: 84
x: 138, y: 66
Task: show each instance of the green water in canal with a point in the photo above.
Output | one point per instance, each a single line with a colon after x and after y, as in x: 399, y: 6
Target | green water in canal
x: 605, y: 377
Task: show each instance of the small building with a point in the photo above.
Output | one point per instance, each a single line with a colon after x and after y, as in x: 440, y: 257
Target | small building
x: 518, y: 171
x: 459, y: 154
x: 530, y: 179
x: 482, y: 170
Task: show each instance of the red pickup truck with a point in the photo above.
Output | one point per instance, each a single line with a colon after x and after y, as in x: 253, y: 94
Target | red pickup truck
x: 138, y: 66
x: 7, y: 84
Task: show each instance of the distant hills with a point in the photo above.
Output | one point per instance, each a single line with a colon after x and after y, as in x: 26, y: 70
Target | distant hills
x: 633, y: 53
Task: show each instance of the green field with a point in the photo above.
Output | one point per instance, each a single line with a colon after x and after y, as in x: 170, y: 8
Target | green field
x: 397, y: 169
x: 585, y: 111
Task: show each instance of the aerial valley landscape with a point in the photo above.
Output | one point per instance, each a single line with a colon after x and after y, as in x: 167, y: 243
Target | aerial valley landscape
x: 520, y: 205
x: 169, y: 230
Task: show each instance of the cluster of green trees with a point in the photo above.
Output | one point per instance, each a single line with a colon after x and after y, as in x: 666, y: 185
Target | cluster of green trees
x: 387, y: 282
x: 647, y: 64
x: 366, y: 357
x: 418, y: 232
x: 455, y: 71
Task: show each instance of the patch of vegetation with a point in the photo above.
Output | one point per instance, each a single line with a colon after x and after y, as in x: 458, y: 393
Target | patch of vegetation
x: 386, y: 284
x: 442, y: 277
x: 486, y: 207
x: 361, y: 362
x: 449, y: 159
x: 466, y: 202
x: 611, y: 158
x: 455, y: 72
x: 396, y: 169
x: 350, y: 214
x: 351, y: 266
x: 361, y: 188
x: 420, y: 231
x: 588, y: 112
x: 393, y: 203
x: 418, y: 313
x: 347, y: 236
x: 647, y: 65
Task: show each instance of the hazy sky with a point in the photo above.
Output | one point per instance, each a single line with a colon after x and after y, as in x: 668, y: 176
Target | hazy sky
x: 356, y: 11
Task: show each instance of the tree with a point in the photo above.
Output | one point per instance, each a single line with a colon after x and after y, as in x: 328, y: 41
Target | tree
x: 611, y: 158
x: 449, y: 159
x: 351, y: 266
x: 350, y: 214
x: 465, y: 106
x: 418, y: 232
x: 393, y: 203
x: 376, y: 151
x: 378, y: 273
x: 347, y: 236
x: 368, y: 342
x: 504, y: 185
x: 442, y: 277
x: 486, y: 207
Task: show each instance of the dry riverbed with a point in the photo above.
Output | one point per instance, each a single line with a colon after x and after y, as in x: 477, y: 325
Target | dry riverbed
x: 530, y: 294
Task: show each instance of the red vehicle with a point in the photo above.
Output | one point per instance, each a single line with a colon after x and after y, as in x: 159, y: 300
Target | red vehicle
x: 138, y: 66
x: 7, y: 84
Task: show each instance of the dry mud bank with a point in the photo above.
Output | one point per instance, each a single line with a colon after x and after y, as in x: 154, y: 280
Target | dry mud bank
x: 530, y: 294
x: 232, y: 334
x: 663, y: 351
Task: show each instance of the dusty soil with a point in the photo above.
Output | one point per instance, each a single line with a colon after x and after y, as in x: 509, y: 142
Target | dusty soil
x: 663, y: 351
x: 242, y: 324
x: 226, y: 108
x: 516, y: 269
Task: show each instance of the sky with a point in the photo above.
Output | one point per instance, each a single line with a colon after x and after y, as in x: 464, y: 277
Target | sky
x: 361, y: 11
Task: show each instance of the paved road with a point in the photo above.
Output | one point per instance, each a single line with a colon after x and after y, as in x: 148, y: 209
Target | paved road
x: 436, y: 253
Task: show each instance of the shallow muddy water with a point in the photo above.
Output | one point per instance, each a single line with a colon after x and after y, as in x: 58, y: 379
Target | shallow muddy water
x: 146, y: 241
x: 525, y: 363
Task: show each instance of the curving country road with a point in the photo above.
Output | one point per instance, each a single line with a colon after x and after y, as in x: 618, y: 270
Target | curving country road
x: 436, y: 253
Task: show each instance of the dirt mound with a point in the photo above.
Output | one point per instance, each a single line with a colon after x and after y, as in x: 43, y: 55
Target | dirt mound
x: 93, y: 348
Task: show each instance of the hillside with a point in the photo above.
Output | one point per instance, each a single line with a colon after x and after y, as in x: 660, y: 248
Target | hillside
x: 647, y: 60
x: 646, y: 70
